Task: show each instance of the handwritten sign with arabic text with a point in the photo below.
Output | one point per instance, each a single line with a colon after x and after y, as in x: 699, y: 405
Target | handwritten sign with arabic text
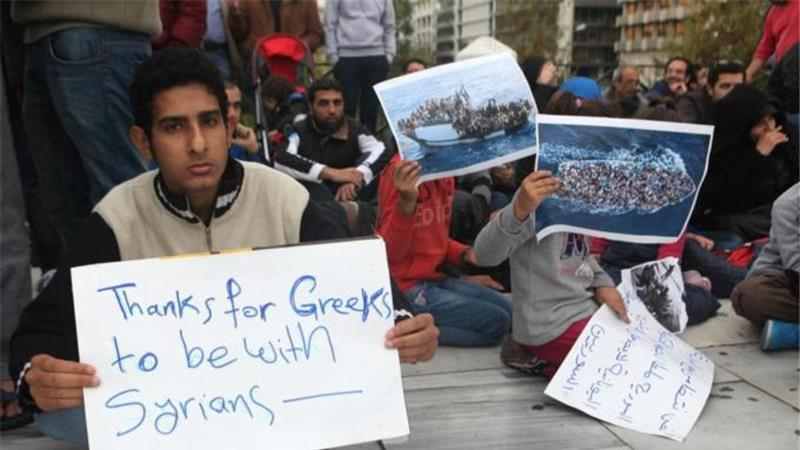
x: 638, y: 376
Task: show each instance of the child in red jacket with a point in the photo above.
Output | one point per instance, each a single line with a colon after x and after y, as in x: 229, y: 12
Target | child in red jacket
x: 414, y: 220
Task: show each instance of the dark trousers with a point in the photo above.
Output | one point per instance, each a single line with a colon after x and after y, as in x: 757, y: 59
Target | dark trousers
x: 766, y: 296
x: 723, y: 275
x: 357, y: 76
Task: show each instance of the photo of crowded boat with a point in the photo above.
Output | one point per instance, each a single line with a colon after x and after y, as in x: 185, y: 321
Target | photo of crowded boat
x: 452, y: 120
x: 461, y: 117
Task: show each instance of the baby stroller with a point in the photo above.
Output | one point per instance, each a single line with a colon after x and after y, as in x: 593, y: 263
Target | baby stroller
x: 281, y: 55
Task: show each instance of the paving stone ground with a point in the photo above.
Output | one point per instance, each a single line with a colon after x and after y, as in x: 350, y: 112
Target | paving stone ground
x: 466, y: 399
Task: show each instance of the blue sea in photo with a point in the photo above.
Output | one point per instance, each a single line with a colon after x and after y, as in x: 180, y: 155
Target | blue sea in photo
x: 483, y: 83
x: 560, y: 143
x: 453, y: 157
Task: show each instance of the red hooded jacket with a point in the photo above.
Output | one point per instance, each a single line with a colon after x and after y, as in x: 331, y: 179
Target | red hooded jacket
x: 417, y: 244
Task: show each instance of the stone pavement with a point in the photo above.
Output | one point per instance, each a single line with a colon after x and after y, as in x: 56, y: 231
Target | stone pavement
x: 466, y: 399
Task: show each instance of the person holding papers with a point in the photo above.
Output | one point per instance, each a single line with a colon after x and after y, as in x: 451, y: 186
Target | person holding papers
x: 200, y: 200
x: 557, y: 282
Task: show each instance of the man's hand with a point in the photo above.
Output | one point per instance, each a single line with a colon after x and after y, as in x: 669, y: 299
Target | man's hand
x: 534, y: 189
x: 678, y: 87
x: 57, y: 383
x: 610, y: 296
x: 769, y: 140
x: 245, y: 137
x: 346, y: 192
x: 415, y: 339
x: 342, y: 176
x: 406, y: 181
x: 485, y: 281
x: 704, y: 242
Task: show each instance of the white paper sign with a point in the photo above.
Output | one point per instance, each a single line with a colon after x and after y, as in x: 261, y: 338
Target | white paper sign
x: 638, y: 375
x: 279, y: 348
x: 659, y: 286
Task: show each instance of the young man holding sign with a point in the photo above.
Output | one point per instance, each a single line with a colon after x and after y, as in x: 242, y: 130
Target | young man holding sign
x: 198, y: 201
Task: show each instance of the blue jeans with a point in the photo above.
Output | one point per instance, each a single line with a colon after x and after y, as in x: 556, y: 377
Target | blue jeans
x: 67, y: 425
x: 77, y: 115
x: 358, y: 75
x: 467, y: 315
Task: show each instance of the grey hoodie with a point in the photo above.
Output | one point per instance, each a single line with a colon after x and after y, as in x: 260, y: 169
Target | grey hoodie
x: 356, y: 28
x: 783, y: 249
x: 552, y: 279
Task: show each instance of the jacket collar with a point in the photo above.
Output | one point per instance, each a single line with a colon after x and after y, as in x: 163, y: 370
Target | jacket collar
x: 230, y: 185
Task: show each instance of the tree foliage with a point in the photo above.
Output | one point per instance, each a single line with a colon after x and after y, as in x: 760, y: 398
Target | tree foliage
x: 721, y: 29
x: 529, y: 26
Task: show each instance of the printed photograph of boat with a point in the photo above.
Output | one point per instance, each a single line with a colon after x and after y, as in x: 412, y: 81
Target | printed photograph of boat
x: 626, y: 180
x: 462, y: 117
x: 454, y: 120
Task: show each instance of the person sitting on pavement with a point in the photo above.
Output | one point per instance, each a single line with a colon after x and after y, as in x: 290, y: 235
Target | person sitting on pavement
x: 200, y: 200
x: 752, y: 162
x: 675, y: 82
x: 414, y: 220
x: 244, y: 145
x: 769, y: 297
x: 697, y: 106
x: 332, y: 155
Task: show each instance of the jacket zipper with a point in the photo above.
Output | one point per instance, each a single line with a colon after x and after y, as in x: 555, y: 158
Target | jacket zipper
x: 208, y: 238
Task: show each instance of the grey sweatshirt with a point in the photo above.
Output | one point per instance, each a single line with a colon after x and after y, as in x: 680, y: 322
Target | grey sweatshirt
x: 360, y: 28
x: 552, y: 280
x: 783, y: 249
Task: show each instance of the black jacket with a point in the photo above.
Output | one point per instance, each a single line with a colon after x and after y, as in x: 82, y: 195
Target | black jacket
x: 309, y: 151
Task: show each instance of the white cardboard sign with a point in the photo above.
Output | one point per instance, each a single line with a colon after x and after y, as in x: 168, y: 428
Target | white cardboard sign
x: 638, y: 376
x: 278, y: 348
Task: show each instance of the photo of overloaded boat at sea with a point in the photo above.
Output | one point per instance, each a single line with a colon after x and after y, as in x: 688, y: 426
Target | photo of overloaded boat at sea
x: 627, y: 180
x: 462, y: 117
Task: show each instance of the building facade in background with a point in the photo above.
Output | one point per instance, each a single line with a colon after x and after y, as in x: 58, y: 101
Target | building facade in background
x: 645, y: 28
x: 459, y: 22
x: 423, y: 21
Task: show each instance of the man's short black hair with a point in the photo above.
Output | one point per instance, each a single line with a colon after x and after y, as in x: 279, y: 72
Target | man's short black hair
x: 721, y: 67
x: 169, y: 68
x: 682, y: 59
x: 324, y: 84
x: 412, y: 61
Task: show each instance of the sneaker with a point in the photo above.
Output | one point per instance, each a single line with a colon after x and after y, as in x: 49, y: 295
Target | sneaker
x: 778, y: 335
x: 515, y: 356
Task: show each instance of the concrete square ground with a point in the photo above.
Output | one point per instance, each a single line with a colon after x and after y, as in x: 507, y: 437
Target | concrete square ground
x: 466, y: 399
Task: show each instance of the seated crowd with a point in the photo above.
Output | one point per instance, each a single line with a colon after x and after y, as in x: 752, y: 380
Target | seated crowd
x: 455, y: 247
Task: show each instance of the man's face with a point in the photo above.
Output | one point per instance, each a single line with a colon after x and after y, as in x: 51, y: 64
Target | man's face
x: 234, y: 105
x: 189, y: 140
x: 414, y: 67
x: 328, y: 110
x: 676, y: 71
x: 628, y: 83
x: 725, y: 83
